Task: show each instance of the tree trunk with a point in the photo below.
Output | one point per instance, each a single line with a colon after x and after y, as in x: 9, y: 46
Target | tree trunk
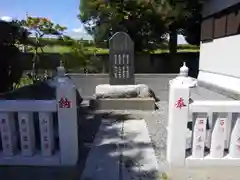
x: 172, y: 49
x: 173, y: 43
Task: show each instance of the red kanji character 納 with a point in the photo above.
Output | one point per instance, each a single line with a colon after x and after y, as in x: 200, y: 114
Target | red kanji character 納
x: 66, y: 103
x: 61, y: 103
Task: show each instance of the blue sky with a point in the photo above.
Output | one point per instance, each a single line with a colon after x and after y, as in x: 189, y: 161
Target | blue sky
x: 63, y: 12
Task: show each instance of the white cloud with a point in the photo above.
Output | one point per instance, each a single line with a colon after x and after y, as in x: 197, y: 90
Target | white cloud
x: 6, y: 18
x: 79, y: 33
x: 79, y: 30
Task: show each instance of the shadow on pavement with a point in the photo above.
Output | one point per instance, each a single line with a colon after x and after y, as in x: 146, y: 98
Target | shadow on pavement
x: 119, y: 158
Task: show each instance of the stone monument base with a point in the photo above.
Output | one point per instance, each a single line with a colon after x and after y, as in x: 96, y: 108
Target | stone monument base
x: 123, y: 97
x: 145, y: 104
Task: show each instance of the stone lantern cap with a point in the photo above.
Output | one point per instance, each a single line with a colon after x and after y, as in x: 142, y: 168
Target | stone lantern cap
x: 183, y: 78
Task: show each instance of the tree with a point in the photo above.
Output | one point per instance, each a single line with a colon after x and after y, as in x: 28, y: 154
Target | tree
x: 181, y: 17
x: 40, y: 27
x: 192, y: 28
x: 147, y: 21
x: 103, y: 18
x: 11, y: 35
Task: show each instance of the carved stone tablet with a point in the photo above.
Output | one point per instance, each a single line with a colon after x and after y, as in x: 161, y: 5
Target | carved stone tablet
x: 121, y: 62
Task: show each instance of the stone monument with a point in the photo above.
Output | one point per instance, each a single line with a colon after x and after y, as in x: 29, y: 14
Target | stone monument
x: 121, y: 62
x: 122, y: 92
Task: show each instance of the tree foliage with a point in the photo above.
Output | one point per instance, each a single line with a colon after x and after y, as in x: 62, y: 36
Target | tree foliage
x: 146, y: 21
x: 11, y: 35
x: 40, y: 27
x: 138, y: 18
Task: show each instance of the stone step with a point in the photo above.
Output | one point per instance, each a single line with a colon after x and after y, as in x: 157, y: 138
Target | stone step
x: 147, y: 104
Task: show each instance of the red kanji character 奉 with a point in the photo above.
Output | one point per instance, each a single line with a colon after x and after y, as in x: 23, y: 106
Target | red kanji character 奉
x: 180, y: 103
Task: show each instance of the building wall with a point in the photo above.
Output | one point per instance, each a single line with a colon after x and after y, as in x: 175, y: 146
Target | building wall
x: 214, y: 6
x: 220, y: 47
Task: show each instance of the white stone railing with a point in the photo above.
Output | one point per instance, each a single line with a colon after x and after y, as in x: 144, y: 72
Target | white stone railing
x: 32, y: 135
x: 215, y: 136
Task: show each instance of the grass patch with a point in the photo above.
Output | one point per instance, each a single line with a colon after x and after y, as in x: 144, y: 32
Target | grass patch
x: 24, y: 81
x: 91, y: 50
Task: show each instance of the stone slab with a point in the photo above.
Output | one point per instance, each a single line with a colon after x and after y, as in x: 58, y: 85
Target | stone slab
x: 123, y: 104
x: 138, y: 155
x: 104, y: 91
x: 122, y: 150
x: 103, y: 159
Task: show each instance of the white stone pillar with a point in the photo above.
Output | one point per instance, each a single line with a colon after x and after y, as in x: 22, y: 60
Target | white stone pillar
x: 8, y: 133
x: 199, y: 135
x: 67, y: 119
x: 177, y: 124
x: 46, y: 133
x: 218, y: 136
x: 27, y: 133
x: 234, y: 149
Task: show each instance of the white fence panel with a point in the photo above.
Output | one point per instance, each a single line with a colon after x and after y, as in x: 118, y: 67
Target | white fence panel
x: 215, y: 138
x: 42, y: 141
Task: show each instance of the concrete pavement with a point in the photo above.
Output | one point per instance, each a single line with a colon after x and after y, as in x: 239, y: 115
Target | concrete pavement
x: 122, y: 150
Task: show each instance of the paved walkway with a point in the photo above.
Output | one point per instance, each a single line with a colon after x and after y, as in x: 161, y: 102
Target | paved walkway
x: 122, y: 150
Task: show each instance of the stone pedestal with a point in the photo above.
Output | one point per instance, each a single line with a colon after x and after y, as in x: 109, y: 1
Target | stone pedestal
x: 123, y: 97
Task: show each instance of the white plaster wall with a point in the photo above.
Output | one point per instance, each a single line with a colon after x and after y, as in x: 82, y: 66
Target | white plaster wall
x: 213, y: 6
x: 220, y: 63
